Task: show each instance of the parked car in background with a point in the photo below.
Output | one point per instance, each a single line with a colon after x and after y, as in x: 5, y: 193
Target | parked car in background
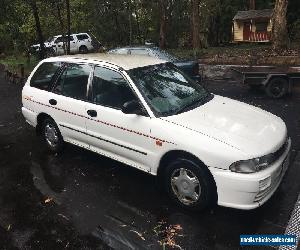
x: 146, y: 113
x: 191, y: 68
x: 79, y: 43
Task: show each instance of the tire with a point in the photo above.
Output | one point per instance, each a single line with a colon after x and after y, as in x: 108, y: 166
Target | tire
x: 277, y: 87
x: 190, y: 185
x: 83, y: 49
x: 52, y: 135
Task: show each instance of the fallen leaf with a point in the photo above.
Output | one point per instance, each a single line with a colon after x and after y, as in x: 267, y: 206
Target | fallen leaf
x: 65, y: 217
x: 48, y: 200
x: 139, y: 234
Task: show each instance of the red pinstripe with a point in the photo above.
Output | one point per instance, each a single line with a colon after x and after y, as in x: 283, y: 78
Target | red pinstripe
x: 103, y: 122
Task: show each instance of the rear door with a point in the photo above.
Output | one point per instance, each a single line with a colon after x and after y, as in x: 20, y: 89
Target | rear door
x: 68, y: 102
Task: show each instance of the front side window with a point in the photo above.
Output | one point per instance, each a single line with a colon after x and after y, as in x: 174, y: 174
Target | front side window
x: 110, y: 88
x: 167, y: 90
x: 59, y: 39
x: 64, y: 39
x: 82, y: 37
x: 73, y: 81
x: 42, y: 78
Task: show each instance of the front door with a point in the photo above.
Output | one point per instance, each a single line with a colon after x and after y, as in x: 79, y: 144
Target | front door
x: 73, y: 45
x: 125, y: 137
x: 246, y: 31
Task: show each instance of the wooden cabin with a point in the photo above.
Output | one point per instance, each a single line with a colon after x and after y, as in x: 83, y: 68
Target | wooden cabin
x: 252, y: 26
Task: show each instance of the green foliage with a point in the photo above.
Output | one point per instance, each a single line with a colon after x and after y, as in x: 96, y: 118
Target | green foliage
x: 125, y: 22
x: 13, y: 63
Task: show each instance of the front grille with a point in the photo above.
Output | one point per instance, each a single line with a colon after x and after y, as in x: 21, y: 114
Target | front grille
x: 263, y: 193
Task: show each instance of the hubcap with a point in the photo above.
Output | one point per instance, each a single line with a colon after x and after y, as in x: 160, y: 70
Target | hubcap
x: 51, y: 135
x: 277, y: 88
x: 185, y: 186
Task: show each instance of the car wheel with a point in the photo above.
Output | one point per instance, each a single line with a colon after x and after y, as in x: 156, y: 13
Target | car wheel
x: 190, y: 185
x: 83, y: 49
x: 52, y: 136
x: 277, y: 87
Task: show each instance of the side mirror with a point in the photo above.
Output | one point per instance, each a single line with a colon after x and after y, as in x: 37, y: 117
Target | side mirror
x: 132, y: 107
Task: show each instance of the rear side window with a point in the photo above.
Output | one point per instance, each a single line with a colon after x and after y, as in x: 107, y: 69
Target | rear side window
x: 42, y: 78
x: 73, y: 81
x: 82, y: 37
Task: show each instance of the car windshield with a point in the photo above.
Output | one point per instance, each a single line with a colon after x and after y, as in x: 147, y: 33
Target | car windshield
x: 167, y: 90
x: 163, y: 55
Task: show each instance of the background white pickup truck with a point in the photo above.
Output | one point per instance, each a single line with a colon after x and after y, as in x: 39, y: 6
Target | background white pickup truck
x: 79, y: 43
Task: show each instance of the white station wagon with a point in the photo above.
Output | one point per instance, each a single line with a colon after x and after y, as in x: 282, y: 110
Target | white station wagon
x: 146, y: 113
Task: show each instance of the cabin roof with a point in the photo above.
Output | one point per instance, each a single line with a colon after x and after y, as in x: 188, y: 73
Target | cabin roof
x: 253, y: 14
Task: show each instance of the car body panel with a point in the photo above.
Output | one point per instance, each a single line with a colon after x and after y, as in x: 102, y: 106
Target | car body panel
x: 237, y: 124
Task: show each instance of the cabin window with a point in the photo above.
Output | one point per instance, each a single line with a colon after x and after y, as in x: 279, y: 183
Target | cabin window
x: 261, y: 26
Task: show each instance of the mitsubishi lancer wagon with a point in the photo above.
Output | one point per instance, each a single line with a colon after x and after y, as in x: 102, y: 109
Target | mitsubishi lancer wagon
x: 146, y: 113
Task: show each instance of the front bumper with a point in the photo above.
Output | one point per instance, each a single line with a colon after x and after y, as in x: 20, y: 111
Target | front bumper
x: 249, y: 191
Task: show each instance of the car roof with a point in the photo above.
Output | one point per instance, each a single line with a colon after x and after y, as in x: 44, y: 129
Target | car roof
x: 72, y: 34
x: 137, y: 47
x: 126, y: 62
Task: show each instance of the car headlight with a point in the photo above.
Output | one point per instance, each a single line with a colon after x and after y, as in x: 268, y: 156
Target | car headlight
x: 252, y: 165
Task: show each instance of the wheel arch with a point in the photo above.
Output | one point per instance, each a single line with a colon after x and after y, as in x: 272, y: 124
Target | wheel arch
x: 40, y: 118
x: 175, y: 154
x: 84, y: 47
x: 273, y: 76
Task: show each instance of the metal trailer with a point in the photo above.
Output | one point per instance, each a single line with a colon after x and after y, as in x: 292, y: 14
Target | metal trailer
x: 276, y: 81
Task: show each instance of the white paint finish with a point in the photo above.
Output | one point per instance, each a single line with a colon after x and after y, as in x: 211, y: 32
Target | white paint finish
x: 239, y: 190
x: 124, y: 61
x: 219, y: 132
x: 115, y: 127
x: 242, y: 126
x: 63, y: 114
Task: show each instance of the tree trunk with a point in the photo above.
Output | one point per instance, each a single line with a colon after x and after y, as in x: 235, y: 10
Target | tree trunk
x: 62, y: 26
x: 137, y: 18
x: 42, y: 52
x: 69, y: 25
x: 279, y: 29
x: 163, y: 24
x: 130, y: 21
x: 195, y: 24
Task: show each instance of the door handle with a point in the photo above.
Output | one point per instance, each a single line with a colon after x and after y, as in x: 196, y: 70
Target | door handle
x: 92, y: 113
x: 53, y: 102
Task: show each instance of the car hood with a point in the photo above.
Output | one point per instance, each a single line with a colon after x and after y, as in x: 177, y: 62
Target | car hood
x: 252, y: 130
x: 38, y: 45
